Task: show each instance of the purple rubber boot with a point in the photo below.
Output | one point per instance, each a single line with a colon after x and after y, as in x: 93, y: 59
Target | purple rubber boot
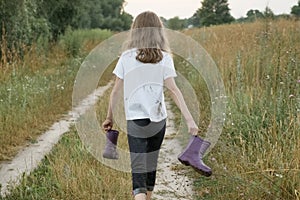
x: 110, y: 150
x: 193, y: 154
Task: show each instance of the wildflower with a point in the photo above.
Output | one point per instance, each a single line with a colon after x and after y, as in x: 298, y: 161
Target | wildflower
x: 279, y: 175
x: 298, y: 81
x: 291, y: 96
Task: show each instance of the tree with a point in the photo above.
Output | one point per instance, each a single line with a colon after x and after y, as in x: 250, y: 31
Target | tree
x: 296, y: 10
x: 213, y: 12
x: 60, y: 14
x: 164, y: 21
x: 176, y: 24
x: 20, y: 25
x: 23, y: 22
x: 268, y: 13
x: 254, y: 14
x: 104, y: 14
x: 194, y: 20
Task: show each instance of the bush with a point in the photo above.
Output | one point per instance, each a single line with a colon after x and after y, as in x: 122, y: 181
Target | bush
x: 74, y: 41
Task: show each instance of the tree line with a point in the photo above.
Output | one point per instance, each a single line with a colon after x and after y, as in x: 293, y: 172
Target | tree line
x: 24, y: 22
x: 215, y: 12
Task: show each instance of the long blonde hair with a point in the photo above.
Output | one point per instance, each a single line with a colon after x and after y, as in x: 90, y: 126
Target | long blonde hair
x: 148, y: 36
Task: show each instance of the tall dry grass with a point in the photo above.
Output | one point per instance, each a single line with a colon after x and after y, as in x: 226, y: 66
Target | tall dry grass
x: 257, y: 156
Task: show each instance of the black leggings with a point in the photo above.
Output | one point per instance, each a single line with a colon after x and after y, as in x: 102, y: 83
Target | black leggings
x: 144, y: 139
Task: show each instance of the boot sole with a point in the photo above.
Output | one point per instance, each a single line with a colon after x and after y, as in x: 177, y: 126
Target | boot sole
x: 110, y: 157
x: 186, y: 163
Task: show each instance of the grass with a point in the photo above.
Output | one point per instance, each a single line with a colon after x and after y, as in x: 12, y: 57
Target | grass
x: 70, y: 172
x: 257, y: 155
x: 36, y: 90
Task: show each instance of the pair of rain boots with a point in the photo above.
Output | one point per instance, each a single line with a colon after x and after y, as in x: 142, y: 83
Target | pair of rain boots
x: 191, y: 156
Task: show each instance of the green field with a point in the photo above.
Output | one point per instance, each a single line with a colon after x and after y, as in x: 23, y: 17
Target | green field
x: 256, y: 157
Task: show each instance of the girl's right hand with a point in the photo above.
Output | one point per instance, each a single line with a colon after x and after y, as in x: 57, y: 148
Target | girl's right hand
x: 107, y: 124
x: 192, y: 127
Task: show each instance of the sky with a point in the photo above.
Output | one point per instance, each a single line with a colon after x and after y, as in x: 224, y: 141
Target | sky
x: 186, y: 8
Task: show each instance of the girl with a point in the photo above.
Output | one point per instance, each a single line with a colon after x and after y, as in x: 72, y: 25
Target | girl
x: 142, y: 71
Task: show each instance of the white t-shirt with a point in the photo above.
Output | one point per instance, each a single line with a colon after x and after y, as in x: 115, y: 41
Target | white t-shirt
x: 143, y: 85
